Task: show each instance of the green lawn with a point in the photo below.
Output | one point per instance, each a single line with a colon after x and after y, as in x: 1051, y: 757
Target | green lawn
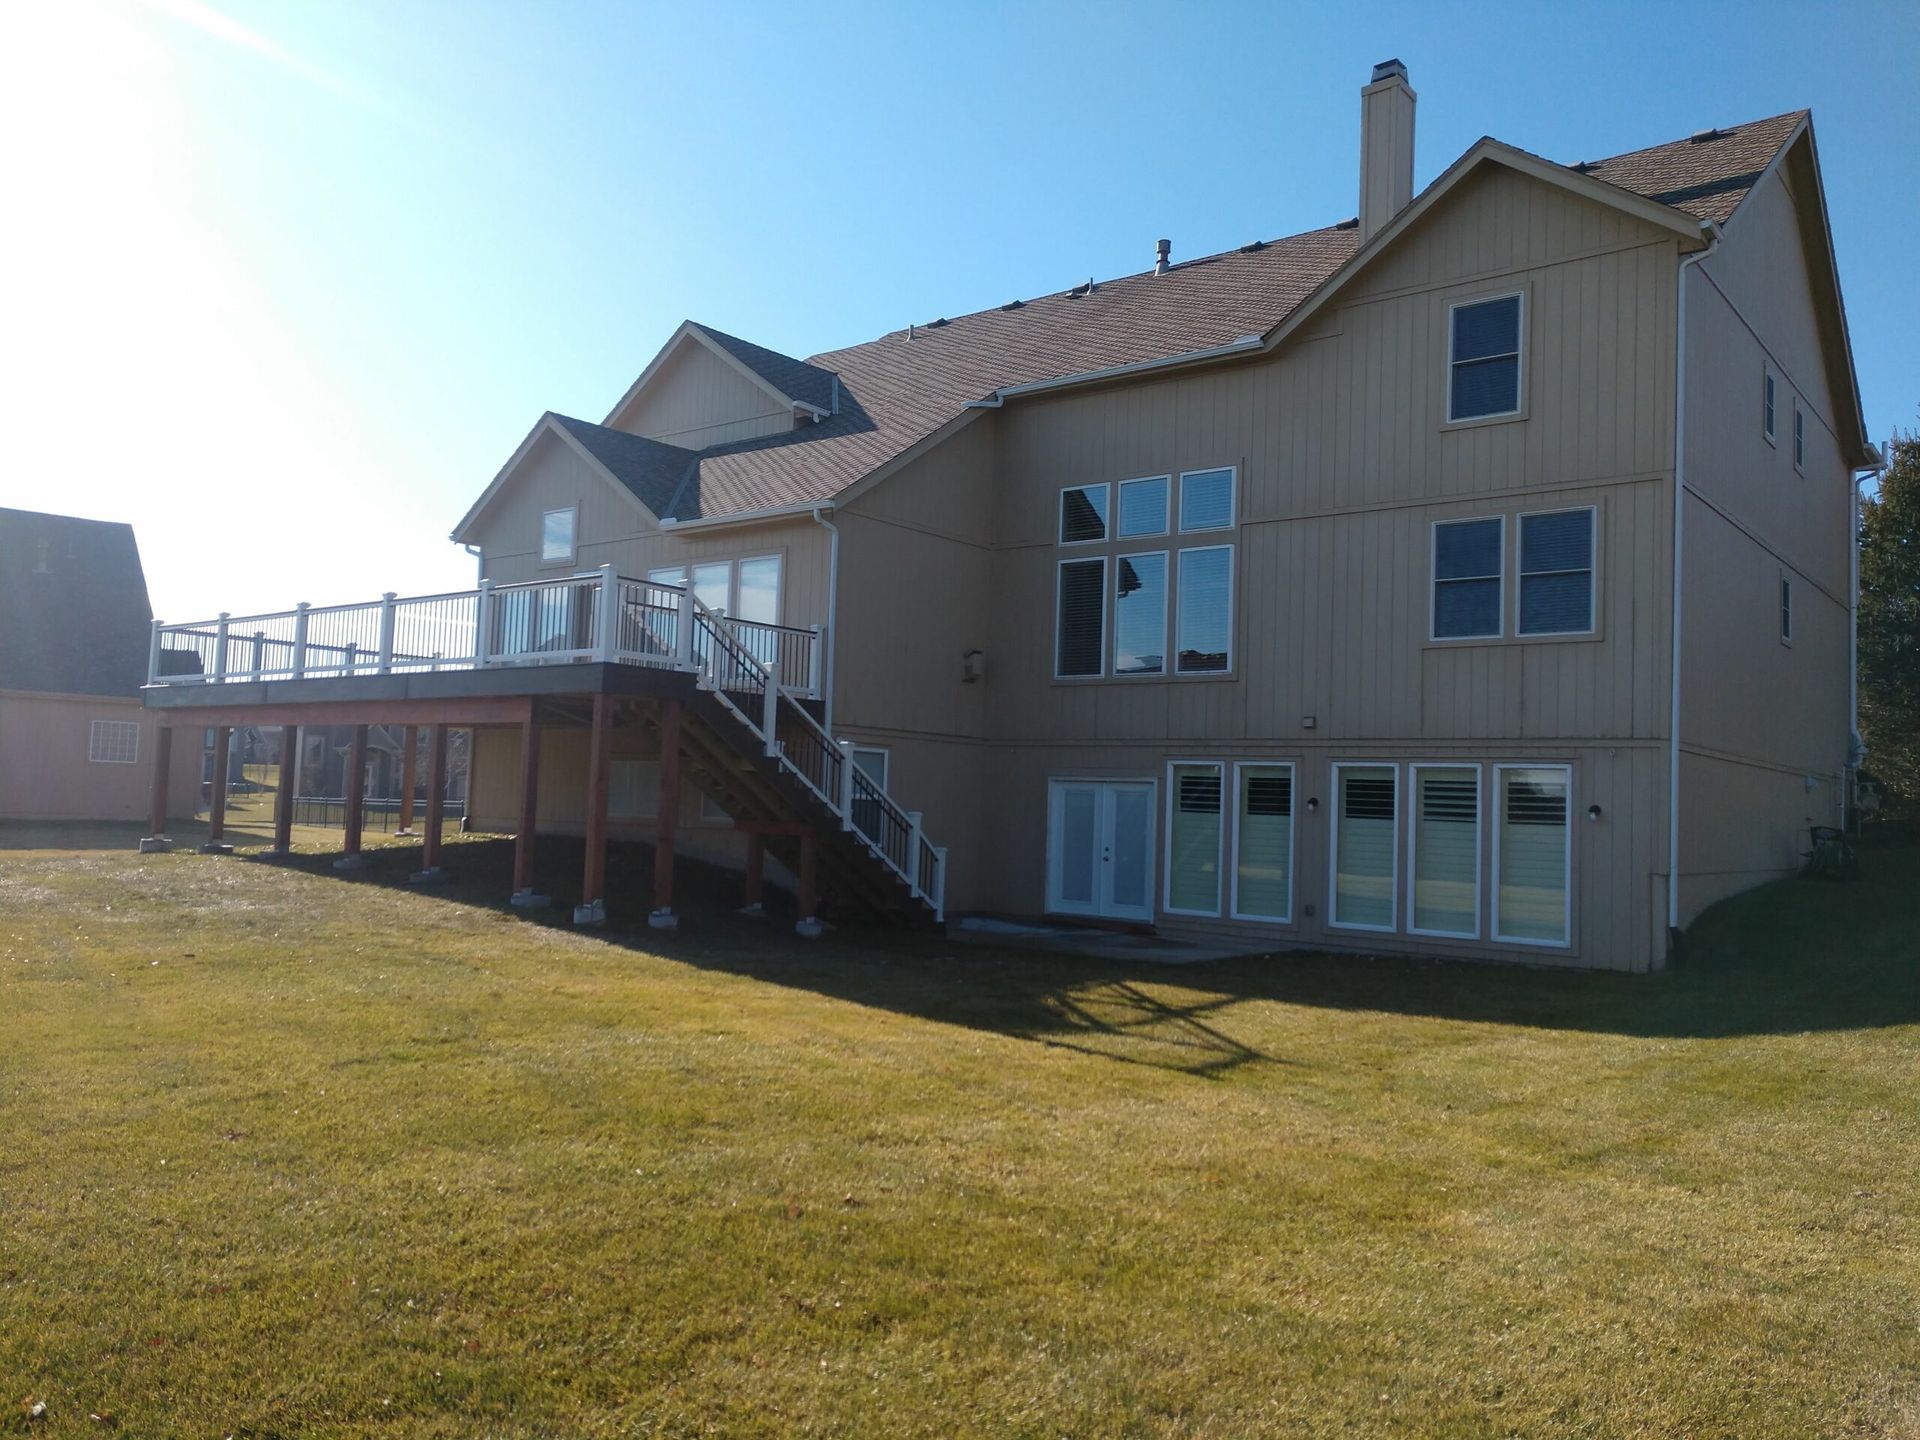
x: 286, y: 1154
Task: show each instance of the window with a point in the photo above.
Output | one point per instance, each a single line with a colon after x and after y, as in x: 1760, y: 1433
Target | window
x: 1205, y: 641
x: 1206, y: 500
x: 871, y: 763
x: 1193, y: 839
x: 1531, y: 855
x: 1799, y: 437
x: 1445, y: 851
x: 1483, y: 371
x: 1083, y: 514
x: 114, y: 742
x: 1143, y: 507
x: 1363, y: 844
x: 556, y: 536
x: 633, y: 789
x: 1263, y: 842
x: 1140, y: 614
x: 1556, y: 573
x: 1766, y: 408
x: 1468, y: 556
x: 1079, y: 636
x: 746, y: 589
x: 710, y: 809
x: 1786, y: 611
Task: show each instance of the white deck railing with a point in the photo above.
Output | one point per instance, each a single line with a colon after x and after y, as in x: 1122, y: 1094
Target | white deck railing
x: 758, y: 671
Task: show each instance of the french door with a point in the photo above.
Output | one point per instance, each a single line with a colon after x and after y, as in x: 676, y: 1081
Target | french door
x: 1100, y: 848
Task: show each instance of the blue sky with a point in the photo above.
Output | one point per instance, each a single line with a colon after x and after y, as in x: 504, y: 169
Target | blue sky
x: 303, y: 275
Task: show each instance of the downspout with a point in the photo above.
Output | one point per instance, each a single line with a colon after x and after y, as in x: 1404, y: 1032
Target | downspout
x: 1679, y: 531
x: 833, y: 616
x: 479, y: 562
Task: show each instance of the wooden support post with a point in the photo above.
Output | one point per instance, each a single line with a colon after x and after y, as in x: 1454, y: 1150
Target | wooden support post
x: 289, y: 781
x: 217, y: 794
x: 523, y: 893
x: 356, y: 800
x: 156, y: 840
x: 409, y: 773
x: 756, y: 873
x: 807, y: 900
x: 430, y: 870
x: 592, y: 909
x: 666, y: 825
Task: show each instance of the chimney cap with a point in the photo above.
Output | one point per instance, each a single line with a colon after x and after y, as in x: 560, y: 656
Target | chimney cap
x: 1387, y: 70
x: 1162, y: 253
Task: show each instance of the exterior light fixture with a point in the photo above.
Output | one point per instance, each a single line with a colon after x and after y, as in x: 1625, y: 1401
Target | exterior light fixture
x: 1593, y: 812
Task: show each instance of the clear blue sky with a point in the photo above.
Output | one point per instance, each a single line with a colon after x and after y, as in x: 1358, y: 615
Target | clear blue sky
x: 313, y: 270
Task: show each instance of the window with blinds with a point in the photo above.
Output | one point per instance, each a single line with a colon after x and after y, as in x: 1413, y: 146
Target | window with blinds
x: 1083, y: 514
x: 1483, y: 371
x: 1193, y: 839
x: 1079, y: 632
x: 1263, y: 842
x: 1204, y: 640
x: 1467, y: 564
x: 1556, y: 573
x: 1363, y: 846
x: 1532, y: 854
x: 1446, y: 850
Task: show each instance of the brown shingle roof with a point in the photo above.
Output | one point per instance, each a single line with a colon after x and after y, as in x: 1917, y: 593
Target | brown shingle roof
x: 895, y: 391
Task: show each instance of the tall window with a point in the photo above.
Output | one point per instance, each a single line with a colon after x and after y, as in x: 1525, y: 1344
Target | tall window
x: 1365, y: 805
x: 1556, y: 573
x: 1204, y: 644
x: 1446, y: 851
x: 1799, y: 436
x: 1532, y: 854
x: 114, y: 742
x: 1193, y: 839
x: 1766, y: 407
x: 557, y: 537
x: 1140, y: 613
x: 1263, y: 842
x: 1483, y: 370
x: 1467, y: 562
x: 1786, y: 611
x: 1083, y: 514
x: 1080, y: 618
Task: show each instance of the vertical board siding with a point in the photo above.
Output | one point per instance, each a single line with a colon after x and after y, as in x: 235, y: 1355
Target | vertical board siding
x: 697, y: 399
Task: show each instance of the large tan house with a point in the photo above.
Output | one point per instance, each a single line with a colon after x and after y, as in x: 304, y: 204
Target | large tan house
x: 1471, y: 578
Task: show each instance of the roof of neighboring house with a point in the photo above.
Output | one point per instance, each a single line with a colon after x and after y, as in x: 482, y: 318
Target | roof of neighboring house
x: 74, y: 616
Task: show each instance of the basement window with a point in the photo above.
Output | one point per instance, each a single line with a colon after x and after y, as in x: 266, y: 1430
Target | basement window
x: 1483, y: 363
x: 114, y: 742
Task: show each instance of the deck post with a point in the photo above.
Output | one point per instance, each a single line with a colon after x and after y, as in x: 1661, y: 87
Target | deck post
x: 220, y: 647
x: 683, y: 627
x: 913, y: 853
x: 157, y: 842
x: 808, y: 926
x: 430, y: 871
x: 756, y: 874
x: 813, y: 664
x: 300, y: 640
x: 283, y: 801
x: 217, y: 794
x: 846, y: 783
x: 939, y: 896
x: 356, y: 800
x: 592, y: 909
x: 607, y: 621
x: 409, y: 773
x: 153, y: 655
x: 667, y: 815
x: 386, y: 631
x: 482, y: 624
x: 523, y: 897
x: 770, y: 713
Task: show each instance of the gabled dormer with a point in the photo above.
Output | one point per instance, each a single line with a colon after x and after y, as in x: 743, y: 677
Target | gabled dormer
x: 708, y: 388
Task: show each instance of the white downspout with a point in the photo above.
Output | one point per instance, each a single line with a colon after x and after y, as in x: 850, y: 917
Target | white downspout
x: 833, y: 616
x: 1679, y: 530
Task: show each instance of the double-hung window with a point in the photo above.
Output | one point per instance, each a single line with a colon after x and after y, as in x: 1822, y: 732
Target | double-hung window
x: 1194, y: 840
x: 1556, y: 573
x: 1263, y: 842
x: 1468, y: 557
x: 1484, y: 358
x: 1532, y: 855
x: 1799, y: 437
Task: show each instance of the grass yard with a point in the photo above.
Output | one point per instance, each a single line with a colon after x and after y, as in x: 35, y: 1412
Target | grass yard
x: 283, y: 1154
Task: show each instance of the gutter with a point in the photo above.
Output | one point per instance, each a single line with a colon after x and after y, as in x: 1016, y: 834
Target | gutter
x: 747, y: 517
x: 1246, y: 344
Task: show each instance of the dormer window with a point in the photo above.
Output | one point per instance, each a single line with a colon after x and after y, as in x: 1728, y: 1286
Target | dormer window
x: 1483, y: 362
x: 557, y: 536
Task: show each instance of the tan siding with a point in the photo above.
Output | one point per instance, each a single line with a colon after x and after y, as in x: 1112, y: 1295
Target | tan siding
x: 697, y: 399
x: 45, y: 773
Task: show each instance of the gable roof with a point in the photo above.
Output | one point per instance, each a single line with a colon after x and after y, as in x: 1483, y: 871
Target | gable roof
x: 651, y: 469
x: 1707, y: 175
x: 799, y: 381
x: 74, y: 615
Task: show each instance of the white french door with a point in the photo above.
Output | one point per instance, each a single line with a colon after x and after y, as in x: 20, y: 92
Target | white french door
x: 1100, y: 848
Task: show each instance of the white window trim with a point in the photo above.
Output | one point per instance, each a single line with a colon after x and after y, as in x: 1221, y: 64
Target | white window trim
x: 1566, y: 879
x: 780, y: 583
x: 1593, y: 571
x: 1175, y: 608
x: 1233, y: 500
x: 1434, y: 582
x: 573, y: 533
x: 1059, y: 571
x: 1060, y: 516
x: 1798, y: 440
x: 886, y: 760
x: 1783, y: 608
x: 1479, y: 843
x: 1519, y: 356
x: 94, y: 747
x: 1770, y: 410
x: 1167, y: 906
x: 1333, y: 850
x: 1054, y: 784
x: 1166, y: 621
x: 1119, y: 504
x: 1293, y: 839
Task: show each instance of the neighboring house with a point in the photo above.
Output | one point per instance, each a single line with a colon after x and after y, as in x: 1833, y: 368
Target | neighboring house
x: 74, y: 635
x: 1332, y: 591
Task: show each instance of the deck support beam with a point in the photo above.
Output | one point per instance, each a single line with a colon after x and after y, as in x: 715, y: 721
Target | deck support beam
x: 156, y: 841
x: 808, y: 926
x: 217, y: 794
x: 430, y: 872
x: 523, y: 896
x: 409, y: 773
x: 356, y: 818
x: 592, y: 909
x: 667, y: 821
x: 283, y: 798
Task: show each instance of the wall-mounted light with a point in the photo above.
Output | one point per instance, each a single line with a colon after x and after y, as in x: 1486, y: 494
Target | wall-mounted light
x: 1593, y: 812
x: 1313, y: 803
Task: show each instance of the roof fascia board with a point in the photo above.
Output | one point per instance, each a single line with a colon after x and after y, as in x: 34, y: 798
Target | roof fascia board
x: 693, y: 330
x: 751, y: 517
x: 546, y: 424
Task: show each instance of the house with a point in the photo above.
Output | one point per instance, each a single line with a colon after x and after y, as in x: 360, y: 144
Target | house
x: 73, y: 655
x: 1469, y: 578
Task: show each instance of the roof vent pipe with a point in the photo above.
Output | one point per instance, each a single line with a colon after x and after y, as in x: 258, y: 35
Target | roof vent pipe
x: 1162, y: 253
x: 1386, y: 147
